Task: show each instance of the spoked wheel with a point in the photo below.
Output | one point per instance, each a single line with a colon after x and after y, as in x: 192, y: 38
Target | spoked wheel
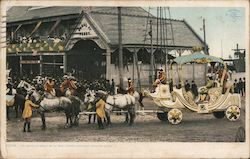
x: 162, y: 116
x: 233, y: 113
x: 219, y: 115
x: 174, y: 116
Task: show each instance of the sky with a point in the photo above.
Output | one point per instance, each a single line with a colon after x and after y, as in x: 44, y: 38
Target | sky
x: 225, y: 27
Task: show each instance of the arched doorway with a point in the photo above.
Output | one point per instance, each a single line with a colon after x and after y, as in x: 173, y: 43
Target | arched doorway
x: 86, y: 60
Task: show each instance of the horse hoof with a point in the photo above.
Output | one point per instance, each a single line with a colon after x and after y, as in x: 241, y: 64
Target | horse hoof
x: 66, y: 126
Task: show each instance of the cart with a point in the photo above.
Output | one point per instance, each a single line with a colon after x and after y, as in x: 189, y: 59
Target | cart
x: 221, y: 102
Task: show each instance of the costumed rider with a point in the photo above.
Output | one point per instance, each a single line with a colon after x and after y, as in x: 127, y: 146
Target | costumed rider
x: 72, y: 85
x: 49, y: 87
x: 68, y: 87
x: 131, y: 88
x: 64, y: 85
x: 162, y: 79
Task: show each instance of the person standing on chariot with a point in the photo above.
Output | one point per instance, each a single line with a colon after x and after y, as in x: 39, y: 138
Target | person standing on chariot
x: 162, y: 78
x: 49, y: 86
x: 27, y: 113
x: 131, y: 88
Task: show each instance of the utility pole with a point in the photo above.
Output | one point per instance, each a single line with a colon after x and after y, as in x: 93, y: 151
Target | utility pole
x: 204, y: 32
x: 120, y: 47
x: 151, y: 70
x: 205, y: 49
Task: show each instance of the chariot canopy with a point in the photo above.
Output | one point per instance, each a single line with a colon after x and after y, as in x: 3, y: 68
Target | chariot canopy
x: 197, y: 57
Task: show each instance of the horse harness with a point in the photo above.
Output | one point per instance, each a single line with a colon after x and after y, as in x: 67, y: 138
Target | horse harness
x: 114, y: 105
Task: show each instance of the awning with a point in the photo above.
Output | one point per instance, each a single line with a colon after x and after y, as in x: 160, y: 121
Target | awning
x: 197, y: 57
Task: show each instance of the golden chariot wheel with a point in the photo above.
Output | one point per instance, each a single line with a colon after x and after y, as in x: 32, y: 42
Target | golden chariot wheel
x: 233, y: 113
x: 174, y: 116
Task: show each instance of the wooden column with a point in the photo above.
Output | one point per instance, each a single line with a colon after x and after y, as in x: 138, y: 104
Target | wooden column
x: 108, y: 63
x: 41, y: 65
x: 138, y: 71
x: 20, y: 65
x: 120, y: 47
x: 65, y: 63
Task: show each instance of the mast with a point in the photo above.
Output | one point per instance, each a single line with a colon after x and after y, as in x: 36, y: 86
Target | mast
x: 205, y: 49
x: 120, y: 47
x: 152, y: 55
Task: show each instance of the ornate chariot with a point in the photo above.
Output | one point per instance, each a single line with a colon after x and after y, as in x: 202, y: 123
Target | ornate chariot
x: 221, y: 102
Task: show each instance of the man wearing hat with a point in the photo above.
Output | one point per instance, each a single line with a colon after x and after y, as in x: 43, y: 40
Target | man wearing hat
x: 161, y: 78
x: 72, y: 85
x: 204, y: 92
x: 131, y: 88
x: 27, y: 112
x: 49, y: 86
x: 64, y: 85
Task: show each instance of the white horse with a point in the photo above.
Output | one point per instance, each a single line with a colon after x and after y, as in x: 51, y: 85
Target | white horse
x: 124, y: 102
x: 70, y: 105
x: 90, y: 100
x: 25, y: 85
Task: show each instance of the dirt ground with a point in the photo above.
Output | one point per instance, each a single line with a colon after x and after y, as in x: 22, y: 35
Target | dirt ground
x: 148, y: 128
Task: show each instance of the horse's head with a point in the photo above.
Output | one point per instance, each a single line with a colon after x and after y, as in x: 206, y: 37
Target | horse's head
x: 37, y: 97
x: 21, y: 84
x: 102, y: 95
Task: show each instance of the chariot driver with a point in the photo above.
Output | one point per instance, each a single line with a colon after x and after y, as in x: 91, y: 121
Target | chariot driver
x: 49, y: 87
x: 204, y: 90
x: 131, y: 88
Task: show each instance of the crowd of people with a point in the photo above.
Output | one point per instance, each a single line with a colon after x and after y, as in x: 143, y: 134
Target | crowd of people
x: 37, y: 39
x: 240, y: 86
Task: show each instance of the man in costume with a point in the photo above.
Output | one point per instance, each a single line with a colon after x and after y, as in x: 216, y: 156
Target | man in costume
x: 162, y: 79
x: 49, y: 87
x: 131, y: 88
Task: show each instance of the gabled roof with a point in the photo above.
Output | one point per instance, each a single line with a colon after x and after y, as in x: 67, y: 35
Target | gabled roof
x: 133, y: 28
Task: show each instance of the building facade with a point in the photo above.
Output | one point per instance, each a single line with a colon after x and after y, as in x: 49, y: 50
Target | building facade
x: 84, y: 41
